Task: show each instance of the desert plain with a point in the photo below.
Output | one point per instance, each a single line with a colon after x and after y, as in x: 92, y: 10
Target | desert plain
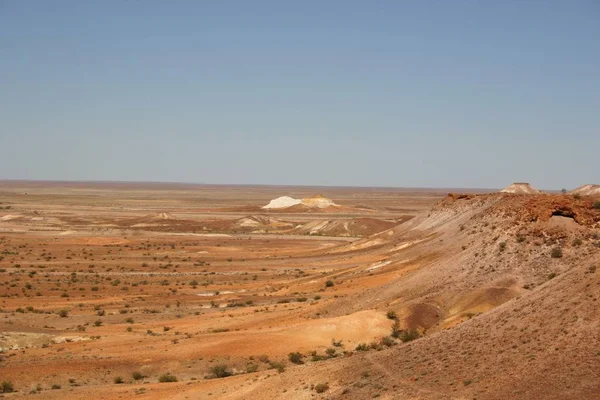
x: 152, y: 291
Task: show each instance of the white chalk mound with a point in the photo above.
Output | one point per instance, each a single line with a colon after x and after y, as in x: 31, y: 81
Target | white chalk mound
x: 587, y: 190
x: 283, y: 202
x: 309, y: 202
x: 520, y: 188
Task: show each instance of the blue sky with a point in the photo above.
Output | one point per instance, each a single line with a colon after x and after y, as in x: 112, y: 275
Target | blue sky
x: 361, y: 93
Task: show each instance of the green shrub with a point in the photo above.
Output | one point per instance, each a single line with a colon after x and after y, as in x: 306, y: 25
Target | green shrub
x: 409, y: 334
x: 396, y: 330
x: 321, y: 387
x: 7, y: 387
x: 63, y: 313
x: 250, y: 368
x: 167, y: 378
x: 556, y: 252
x: 329, y: 283
x: 280, y: 367
x: 56, y: 386
x: 362, y: 347
x: 118, y: 380
x: 597, y: 204
x: 296, y: 358
x: 392, y: 315
x: 137, y: 375
x: 220, y: 371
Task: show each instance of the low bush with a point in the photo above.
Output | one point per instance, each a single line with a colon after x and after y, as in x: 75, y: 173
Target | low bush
x: 409, y: 334
x: 321, y: 387
x: 362, y: 347
x: 137, y: 375
x: 220, y: 371
x: 250, y: 368
x: 7, y: 387
x: 296, y: 358
x: 280, y: 367
x: 556, y: 252
x: 502, y: 246
x: 167, y: 378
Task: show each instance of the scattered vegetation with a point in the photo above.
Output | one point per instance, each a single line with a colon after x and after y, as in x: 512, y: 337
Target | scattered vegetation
x: 362, y: 347
x: 280, y: 367
x: 220, y: 371
x: 7, y: 387
x: 296, y: 358
x: 321, y: 387
x: 137, y: 376
x: 408, y: 335
x: 167, y: 378
x: 556, y: 252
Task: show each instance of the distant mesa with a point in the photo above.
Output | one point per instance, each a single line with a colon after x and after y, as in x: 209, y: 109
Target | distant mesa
x: 520, y: 188
x: 587, y: 190
x: 317, y: 201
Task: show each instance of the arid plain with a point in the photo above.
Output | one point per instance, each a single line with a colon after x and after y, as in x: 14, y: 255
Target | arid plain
x: 130, y: 290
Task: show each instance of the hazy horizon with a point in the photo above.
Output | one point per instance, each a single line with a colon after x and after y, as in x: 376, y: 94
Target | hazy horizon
x: 315, y: 93
x: 183, y: 183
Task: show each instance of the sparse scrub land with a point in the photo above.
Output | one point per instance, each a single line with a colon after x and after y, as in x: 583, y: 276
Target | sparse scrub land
x: 103, y: 288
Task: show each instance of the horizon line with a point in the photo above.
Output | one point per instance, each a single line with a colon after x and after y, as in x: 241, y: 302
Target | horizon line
x: 122, y: 182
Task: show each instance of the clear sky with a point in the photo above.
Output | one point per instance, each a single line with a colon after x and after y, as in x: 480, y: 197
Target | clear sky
x: 464, y: 93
